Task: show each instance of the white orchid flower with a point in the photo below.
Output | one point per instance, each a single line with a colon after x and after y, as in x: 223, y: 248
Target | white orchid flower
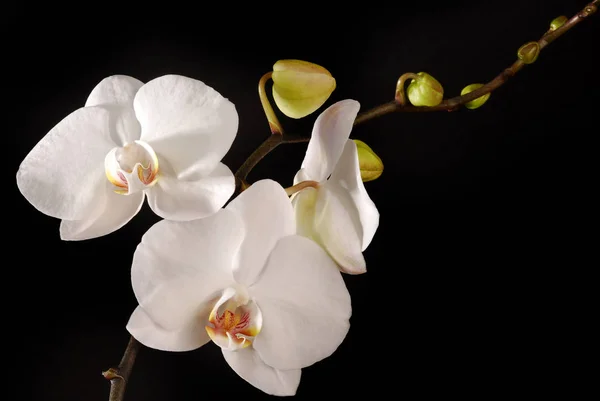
x: 337, y: 212
x: 164, y: 139
x: 273, y: 301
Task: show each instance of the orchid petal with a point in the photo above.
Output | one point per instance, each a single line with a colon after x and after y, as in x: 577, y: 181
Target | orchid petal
x: 112, y: 212
x: 116, y: 89
x: 188, y: 338
x: 330, y: 133
x: 339, y: 230
x: 181, y: 200
x: 347, y: 175
x: 181, y: 267
x: 117, y: 93
x: 301, y: 175
x: 304, y: 303
x: 304, y: 203
x: 248, y: 365
x: 59, y: 176
x: 268, y: 215
x: 187, y: 123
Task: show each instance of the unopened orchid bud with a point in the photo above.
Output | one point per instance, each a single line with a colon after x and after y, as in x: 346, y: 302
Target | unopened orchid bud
x: 371, y: 166
x: 425, y: 90
x: 529, y: 52
x: 300, y: 87
x: 558, y: 22
x: 474, y: 104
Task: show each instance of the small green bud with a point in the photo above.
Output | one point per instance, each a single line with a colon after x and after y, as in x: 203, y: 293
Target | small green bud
x: 474, y: 104
x: 558, y: 22
x: 529, y: 52
x: 425, y: 90
x: 371, y: 166
x: 300, y: 87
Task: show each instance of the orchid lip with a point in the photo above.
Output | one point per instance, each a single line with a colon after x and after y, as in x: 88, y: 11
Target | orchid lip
x: 131, y: 168
x: 234, y: 321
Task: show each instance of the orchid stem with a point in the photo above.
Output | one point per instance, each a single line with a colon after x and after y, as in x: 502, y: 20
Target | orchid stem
x: 264, y: 149
x: 399, y: 103
x: 458, y: 101
x: 120, y: 375
x: 274, y: 124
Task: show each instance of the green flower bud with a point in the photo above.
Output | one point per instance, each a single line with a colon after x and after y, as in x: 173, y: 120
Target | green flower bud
x: 371, y: 166
x: 558, y: 22
x: 529, y: 52
x: 425, y: 91
x: 474, y: 104
x: 300, y: 87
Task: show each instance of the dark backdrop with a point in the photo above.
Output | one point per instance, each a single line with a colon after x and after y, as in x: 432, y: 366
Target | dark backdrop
x: 471, y: 290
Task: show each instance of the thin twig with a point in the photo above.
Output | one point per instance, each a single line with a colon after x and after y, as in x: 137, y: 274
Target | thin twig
x: 120, y: 375
x: 455, y: 102
x: 264, y: 149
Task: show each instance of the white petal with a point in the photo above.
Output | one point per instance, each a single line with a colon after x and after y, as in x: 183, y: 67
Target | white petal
x: 188, y: 338
x: 186, y: 122
x: 175, y: 199
x: 338, y: 228
x: 347, y: 175
x: 304, y: 303
x: 117, y: 93
x: 301, y: 175
x: 116, y: 89
x: 112, y: 212
x: 59, y: 175
x: 304, y: 203
x: 247, y: 363
x: 330, y: 133
x: 268, y: 216
x: 181, y: 267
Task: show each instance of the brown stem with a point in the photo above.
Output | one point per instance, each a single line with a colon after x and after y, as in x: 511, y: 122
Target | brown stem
x: 264, y: 149
x: 455, y: 102
x: 118, y: 376
x: 398, y: 104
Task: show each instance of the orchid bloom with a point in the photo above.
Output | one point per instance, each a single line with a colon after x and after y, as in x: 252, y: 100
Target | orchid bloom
x: 164, y: 139
x: 274, y: 301
x: 336, y: 210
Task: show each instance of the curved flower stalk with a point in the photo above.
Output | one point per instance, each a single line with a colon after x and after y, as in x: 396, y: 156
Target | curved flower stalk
x: 164, y: 139
x: 273, y: 301
x: 337, y: 213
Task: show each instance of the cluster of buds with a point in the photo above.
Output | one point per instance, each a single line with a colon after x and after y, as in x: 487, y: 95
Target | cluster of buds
x: 299, y: 89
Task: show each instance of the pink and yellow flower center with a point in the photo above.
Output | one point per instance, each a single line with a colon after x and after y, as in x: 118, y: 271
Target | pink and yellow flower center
x: 131, y: 168
x: 234, y: 322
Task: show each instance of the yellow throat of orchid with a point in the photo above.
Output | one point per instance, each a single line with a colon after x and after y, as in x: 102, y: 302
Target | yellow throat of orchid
x: 234, y: 321
x: 132, y: 167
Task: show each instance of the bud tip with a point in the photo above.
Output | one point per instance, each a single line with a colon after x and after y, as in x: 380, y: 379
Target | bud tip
x: 529, y: 52
x: 300, y: 87
x: 425, y: 90
x: 371, y: 166
x: 558, y: 22
x: 475, y: 103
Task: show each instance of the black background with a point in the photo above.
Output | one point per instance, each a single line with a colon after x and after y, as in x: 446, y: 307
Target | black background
x: 471, y: 291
